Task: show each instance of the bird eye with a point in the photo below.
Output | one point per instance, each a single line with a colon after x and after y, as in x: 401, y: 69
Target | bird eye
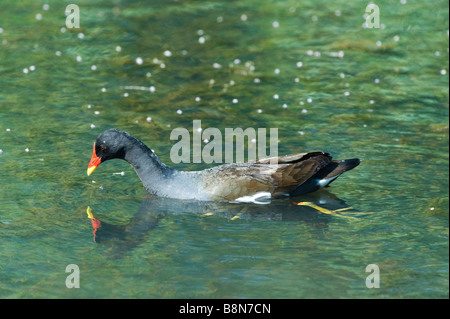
x: 102, y: 148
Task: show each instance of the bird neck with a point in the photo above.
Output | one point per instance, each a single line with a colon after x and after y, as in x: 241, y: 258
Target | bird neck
x: 151, y: 171
x: 159, y: 179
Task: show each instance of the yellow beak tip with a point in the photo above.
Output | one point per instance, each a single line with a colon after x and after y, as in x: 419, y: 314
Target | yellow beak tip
x: 91, y: 169
x: 89, y: 212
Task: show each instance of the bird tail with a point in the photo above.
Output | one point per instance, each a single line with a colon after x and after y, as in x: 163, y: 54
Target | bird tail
x: 327, y: 175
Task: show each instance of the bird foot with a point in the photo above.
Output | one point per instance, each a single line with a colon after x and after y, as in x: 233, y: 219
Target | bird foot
x: 333, y: 212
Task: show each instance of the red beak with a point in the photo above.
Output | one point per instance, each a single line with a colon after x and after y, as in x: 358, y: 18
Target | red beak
x: 94, y: 163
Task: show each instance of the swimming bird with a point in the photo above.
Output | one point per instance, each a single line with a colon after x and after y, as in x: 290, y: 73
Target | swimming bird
x: 288, y: 175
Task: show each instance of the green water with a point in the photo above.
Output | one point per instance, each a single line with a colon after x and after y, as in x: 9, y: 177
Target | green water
x: 380, y: 94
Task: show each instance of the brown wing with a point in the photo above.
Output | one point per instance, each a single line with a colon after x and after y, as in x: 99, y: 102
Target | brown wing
x: 232, y: 181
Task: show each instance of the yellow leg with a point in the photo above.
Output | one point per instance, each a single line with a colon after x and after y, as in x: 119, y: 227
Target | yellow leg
x: 207, y: 214
x: 327, y: 211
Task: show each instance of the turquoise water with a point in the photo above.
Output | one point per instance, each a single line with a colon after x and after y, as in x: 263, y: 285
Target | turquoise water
x: 308, y: 68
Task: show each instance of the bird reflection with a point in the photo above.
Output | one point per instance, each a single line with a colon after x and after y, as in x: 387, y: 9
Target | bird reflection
x: 316, y: 209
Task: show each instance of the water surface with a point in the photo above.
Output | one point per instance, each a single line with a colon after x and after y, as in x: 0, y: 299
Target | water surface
x: 308, y: 68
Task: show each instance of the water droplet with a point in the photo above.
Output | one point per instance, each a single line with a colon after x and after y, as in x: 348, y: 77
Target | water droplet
x: 167, y: 53
x: 148, y: 119
x: 276, y: 71
x: 179, y: 112
x: 235, y: 101
x: 443, y: 72
x: 276, y: 96
x: 152, y: 89
x: 275, y: 24
x: 139, y: 60
x: 38, y: 16
x: 299, y: 64
x: 79, y: 58
x: 201, y: 40
x: 197, y: 99
x: 93, y: 67
x: 118, y: 48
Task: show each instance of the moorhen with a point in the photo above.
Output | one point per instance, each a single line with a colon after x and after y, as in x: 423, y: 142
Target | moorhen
x: 292, y: 175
